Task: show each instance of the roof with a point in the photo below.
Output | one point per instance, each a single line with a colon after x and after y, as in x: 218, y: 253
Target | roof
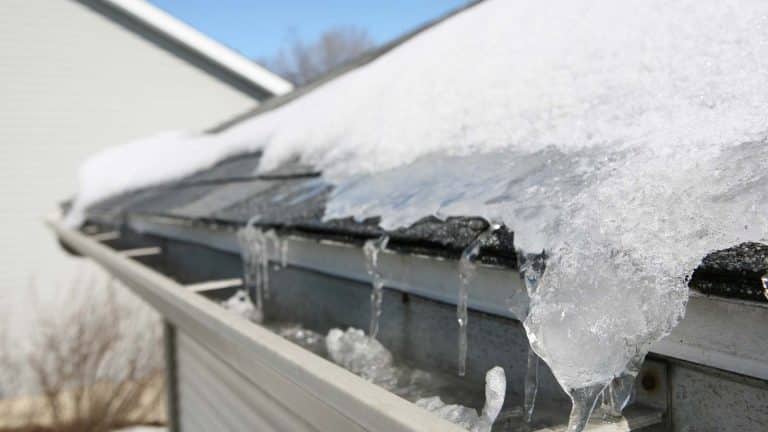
x: 342, y: 69
x: 180, y: 39
x: 293, y: 198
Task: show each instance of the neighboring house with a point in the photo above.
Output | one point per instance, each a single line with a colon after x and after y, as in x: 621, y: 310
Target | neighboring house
x: 226, y: 373
x: 76, y: 76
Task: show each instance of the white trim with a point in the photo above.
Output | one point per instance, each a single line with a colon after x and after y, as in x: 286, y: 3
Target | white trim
x: 193, y: 39
x: 214, y: 285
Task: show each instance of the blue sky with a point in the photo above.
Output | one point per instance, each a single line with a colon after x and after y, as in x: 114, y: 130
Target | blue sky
x: 258, y: 28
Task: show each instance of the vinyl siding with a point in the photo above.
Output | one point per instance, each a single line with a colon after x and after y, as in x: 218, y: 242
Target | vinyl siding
x: 72, y: 83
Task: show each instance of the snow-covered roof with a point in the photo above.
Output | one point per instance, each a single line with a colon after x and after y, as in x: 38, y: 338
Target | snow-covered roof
x: 627, y: 138
x: 149, y: 21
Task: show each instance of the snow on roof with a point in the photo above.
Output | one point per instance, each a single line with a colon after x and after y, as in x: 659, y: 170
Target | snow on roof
x: 627, y: 137
x: 183, y: 34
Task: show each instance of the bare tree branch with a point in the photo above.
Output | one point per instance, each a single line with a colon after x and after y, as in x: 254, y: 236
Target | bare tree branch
x: 302, y: 62
x: 92, y: 368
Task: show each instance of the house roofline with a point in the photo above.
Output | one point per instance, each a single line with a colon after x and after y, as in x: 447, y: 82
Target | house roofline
x: 355, y: 63
x: 183, y: 41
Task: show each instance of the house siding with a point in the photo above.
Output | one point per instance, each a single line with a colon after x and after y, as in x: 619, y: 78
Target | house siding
x: 72, y: 83
x: 214, y: 396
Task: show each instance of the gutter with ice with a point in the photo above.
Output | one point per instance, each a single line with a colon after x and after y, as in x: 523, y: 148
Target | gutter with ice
x: 597, y: 199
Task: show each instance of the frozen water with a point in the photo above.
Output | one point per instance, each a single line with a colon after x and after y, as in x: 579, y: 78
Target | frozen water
x: 463, y: 416
x: 368, y: 358
x: 532, y: 268
x: 305, y: 338
x: 620, y: 390
x: 584, y: 400
x: 530, y: 386
x: 467, y: 270
x: 277, y: 247
x: 254, y: 250
x: 241, y: 304
x: 362, y: 355
x: 495, y: 389
x: 468, y: 418
x: 283, y: 253
x: 372, y: 249
x: 617, y: 395
x: 629, y: 146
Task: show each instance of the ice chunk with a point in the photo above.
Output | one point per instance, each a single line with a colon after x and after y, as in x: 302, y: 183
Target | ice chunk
x: 362, y: 355
x: 241, y: 304
x: 495, y: 389
x: 432, y: 403
x: 305, y: 338
x: 367, y: 357
x: 463, y: 416
x: 584, y: 400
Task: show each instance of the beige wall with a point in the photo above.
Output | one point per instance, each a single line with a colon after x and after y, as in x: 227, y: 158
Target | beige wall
x: 71, y: 83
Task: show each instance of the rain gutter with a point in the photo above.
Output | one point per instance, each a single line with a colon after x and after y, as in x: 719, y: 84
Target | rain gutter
x: 716, y: 332
x: 323, y: 394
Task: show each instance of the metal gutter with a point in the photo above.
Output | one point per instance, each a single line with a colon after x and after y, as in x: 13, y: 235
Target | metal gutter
x: 323, y: 394
x: 721, y: 333
x: 494, y: 290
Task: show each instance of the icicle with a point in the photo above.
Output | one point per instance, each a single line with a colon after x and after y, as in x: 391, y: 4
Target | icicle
x: 531, y: 385
x: 254, y: 248
x: 263, y: 254
x: 618, y: 393
x: 252, y: 274
x: 467, y: 269
x: 583, y: 400
x: 283, y: 253
x: 764, y: 279
x: 276, y: 247
x: 531, y: 268
x: 495, y: 390
x: 371, y: 250
x: 468, y: 418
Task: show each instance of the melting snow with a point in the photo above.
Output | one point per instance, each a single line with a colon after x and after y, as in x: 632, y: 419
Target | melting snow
x: 468, y: 418
x: 367, y: 357
x: 628, y: 138
x: 240, y: 303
